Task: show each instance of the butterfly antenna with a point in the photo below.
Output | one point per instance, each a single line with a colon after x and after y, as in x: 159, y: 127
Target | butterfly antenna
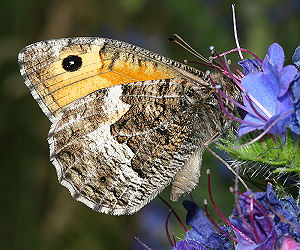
x: 178, y: 40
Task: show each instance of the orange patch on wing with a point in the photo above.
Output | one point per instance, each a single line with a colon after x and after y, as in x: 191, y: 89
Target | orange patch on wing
x: 59, y: 87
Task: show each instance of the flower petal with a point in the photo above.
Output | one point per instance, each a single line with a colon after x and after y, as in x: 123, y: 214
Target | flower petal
x: 264, y: 89
x: 279, y: 128
x: 197, y: 219
x: 290, y: 244
x: 274, y: 59
x: 294, y: 124
x: 296, y: 57
x: 266, y: 236
x: 269, y: 243
x: 287, y: 75
x: 245, y: 128
x: 203, y: 231
x: 250, y: 65
x: 296, y: 88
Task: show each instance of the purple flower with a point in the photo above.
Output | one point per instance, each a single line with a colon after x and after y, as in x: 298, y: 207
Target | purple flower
x: 255, y: 223
x: 295, y: 89
x: 202, y: 232
x: 187, y: 244
x: 250, y: 66
x: 290, y: 244
x: 259, y: 222
x: 265, y: 230
x: 296, y: 57
x: 270, y: 89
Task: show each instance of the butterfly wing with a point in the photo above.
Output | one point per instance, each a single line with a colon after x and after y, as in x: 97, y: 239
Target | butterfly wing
x: 118, y: 147
x: 60, y: 71
x: 125, y: 120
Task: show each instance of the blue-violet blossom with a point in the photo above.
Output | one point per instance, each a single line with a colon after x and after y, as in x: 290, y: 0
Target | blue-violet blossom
x: 295, y: 89
x: 268, y: 83
x: 254, y: 222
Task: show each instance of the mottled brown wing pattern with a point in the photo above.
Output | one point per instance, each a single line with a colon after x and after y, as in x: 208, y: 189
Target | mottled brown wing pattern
x: 118, y: 163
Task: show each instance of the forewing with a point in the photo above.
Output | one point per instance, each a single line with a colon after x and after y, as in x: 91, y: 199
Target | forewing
x: 101, y: 62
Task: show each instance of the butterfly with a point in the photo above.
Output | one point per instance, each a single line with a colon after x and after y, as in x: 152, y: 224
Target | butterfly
x: 125, y: 122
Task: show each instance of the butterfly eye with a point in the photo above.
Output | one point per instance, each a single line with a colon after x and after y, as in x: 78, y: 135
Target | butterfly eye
x: 102, y: 179
x: 72, y: 63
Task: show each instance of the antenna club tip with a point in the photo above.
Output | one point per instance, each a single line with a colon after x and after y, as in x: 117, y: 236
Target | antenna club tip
x: 185, y: 61
x: 208, y: 171
x: 205, y: 202
x: 207, y: 72
x: 212, y: 48
x: 231, y: 189
x: 218, y: 86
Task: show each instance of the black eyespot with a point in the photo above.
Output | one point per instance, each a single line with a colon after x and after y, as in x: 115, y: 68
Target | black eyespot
x: 102, y: 179
x: 72, y: 63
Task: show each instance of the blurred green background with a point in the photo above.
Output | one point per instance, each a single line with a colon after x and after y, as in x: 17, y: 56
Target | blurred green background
x: 35, y: 211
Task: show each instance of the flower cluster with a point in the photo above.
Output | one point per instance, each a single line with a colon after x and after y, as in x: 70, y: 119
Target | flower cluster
x: 259, y: 221
x: 269, y: 83
x: 295, y: 89
x: 268, y: 135
x: 271, y: 99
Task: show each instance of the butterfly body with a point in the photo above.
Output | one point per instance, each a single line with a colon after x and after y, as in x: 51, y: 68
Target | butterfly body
x: 126, y: 122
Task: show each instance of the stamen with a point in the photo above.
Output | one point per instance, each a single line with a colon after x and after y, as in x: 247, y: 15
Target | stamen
x: 240, y: 73
x: 173, y: 211
x: 261, y: 209
x: 226, y: 62
x: 236, y: 198
x: 228, y: 71
x: 238, y: 83
x: 237, y: 80
x: 235, y: 31
x: 240, y: 49
x: 173, y: 236
x: 225, y: 110
x: 254, y: 109
x: 221, y: 60
x: 173, y: 244
x: 217, y: 226
x: 222, y: 216
x: 235, y: 102
x: 253, y: 222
